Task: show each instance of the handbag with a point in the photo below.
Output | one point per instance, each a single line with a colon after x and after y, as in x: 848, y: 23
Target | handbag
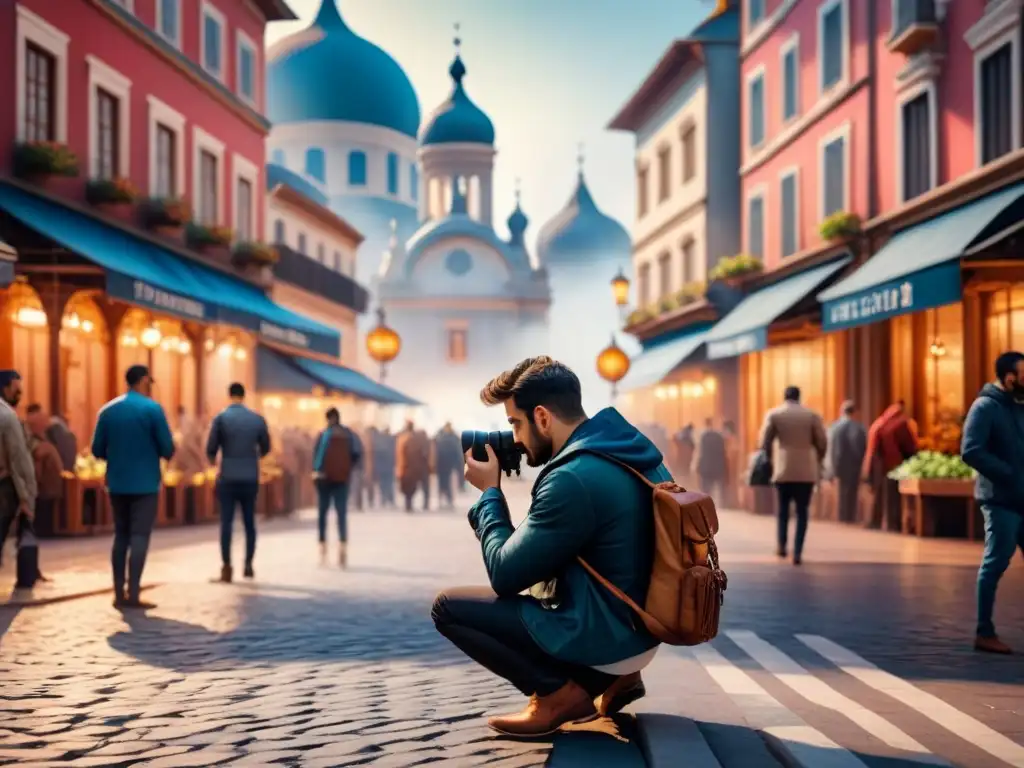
x: 760, y: 470
x: 28, y: 555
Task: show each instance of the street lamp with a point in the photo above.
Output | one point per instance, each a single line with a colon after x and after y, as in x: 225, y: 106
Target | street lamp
x: 612, y: 364
x: 620, y: 289
x: 383, y: 343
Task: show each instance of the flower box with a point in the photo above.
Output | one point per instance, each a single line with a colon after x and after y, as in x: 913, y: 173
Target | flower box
x: 250, y: 254
x: 203, y: 238
x: 924, y: 486
x: 165, y: 216
x: 840, y: 226
x: 39, y: 161
x: 730, y: 269
x: 114, y: 198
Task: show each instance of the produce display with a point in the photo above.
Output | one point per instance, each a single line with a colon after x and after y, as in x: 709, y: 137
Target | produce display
x: 931, y: 465
x: 88, y: 467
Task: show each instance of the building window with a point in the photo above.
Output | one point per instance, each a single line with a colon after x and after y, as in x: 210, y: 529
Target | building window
x: 832, y: 42
x: 108, y: 133
x: 302, y: 244
x: 755, y: 226
x: 644, y: 285
x: 689, y: 152
x: 321, y: 253
x: 791, y: 79
x: 246, y: 75
x: 457, y: 352
x: 337, y: 261
x: 208, y: 202
x: 279, y: 232
x: 40, y: 94
x: 244, y: 228
x: 664, y: 180
x: 834, y: 175
x: 689, y: 273
x: 277, y: 157
x: 755, y: 103
x: 168, y: 21
x: 641, y: 192
x: 996, y: 83
x: 665, y: 274
x: 212, y: 40
x: 788, y: 208
x: 755, y: 12
x: 392, y: 173
x: 916, y: 144
x: 166, y: 162
x: 316, y: 164
x: 357, y: 169
x: 414, y: 181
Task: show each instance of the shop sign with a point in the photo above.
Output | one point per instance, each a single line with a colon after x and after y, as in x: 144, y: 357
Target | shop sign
x: 281, y: 335
x: 144, y: 293
x: 926, y: 289
x: 734, y: 346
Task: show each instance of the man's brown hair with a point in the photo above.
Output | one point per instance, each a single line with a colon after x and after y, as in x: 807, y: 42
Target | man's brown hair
x: 538, y: 381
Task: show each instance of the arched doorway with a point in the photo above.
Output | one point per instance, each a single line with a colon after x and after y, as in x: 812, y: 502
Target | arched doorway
x: 84, y: 360
x: 24, y: 322
x: 163, y: 345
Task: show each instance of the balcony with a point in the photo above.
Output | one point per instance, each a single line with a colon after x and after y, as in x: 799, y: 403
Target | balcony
x: 915, y: 27
x: 310, y: 275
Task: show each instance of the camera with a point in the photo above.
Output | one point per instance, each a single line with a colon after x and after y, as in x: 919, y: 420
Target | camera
x: 504, y: 445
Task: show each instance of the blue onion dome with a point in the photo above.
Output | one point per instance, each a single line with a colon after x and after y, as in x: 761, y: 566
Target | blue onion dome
x: 458, y: 120
x: 328, y: 72
x: 517, y: 223
x: 581, y: 232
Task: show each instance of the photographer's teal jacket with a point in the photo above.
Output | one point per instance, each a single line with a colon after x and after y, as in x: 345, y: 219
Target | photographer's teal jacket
x: 583, y: 506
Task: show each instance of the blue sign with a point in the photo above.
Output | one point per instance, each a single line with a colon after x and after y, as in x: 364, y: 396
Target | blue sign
x: 929, y: 288
x: 740, y: 344
x: 147, y: 295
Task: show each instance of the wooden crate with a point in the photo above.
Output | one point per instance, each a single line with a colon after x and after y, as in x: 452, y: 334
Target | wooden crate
x: 928, y: 506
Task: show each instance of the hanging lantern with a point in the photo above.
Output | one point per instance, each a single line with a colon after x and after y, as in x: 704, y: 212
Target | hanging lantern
x: 383, y: 343
x: 612, y: 364
x: 151, y: 337
x: 620, y: 289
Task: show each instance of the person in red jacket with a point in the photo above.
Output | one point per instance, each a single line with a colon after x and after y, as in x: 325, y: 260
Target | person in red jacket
x: 892, y: 440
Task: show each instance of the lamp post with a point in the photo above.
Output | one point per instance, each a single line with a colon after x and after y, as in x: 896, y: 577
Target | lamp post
x: 620, y: 290
x: 383, y: 343
x: 612, y: 365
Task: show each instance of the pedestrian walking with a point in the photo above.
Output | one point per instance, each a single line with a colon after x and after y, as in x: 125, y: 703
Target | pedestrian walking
x: 384, y: 467
x: 892, y: 440
x: 682, y: 448
x: 794, y: 436
x: 847, y: 446
x: 370, y: 438
x: 413, y: 465
x: 336, y: 457
x: 58, y: 433
x: 993, y: 445
x: 132, y: 435
x: 448, y: 461
x: 241, y: 438
x: 18, y: 487
x: 710, y: 461
x: 733, y: 464
x: 49, y: 470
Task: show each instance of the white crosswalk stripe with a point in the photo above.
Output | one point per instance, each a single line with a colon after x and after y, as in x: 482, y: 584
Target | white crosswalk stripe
x: 805, y: 732
x: 932, y: 707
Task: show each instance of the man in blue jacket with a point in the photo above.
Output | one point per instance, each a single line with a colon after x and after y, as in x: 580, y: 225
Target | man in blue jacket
x: 242, y: 439
x: 993, y: 445
x: 337, y: 455
x: 572, y: 647
x: 132, y: 436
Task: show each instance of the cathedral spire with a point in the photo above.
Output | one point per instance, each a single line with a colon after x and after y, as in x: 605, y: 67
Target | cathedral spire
x: 517, y: 222
x: 329, y: 17
x: 457, y: 70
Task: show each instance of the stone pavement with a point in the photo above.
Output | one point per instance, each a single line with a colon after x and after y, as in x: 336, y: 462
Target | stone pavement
x: 860, y: 657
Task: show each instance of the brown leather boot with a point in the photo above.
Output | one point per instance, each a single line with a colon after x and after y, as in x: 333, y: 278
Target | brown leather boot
x: 991, y: 645
x: 546, y: 714
x: 620, y: 694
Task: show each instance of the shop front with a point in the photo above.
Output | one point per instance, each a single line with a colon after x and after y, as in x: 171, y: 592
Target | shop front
x: 942, y: 298
x: 776, y: 335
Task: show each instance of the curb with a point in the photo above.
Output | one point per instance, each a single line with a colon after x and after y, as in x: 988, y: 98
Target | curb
x: 662, y: 738
x: 41, y: 601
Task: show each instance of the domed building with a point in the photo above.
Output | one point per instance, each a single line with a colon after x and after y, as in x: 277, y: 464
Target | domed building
x: 346, y: 116
x: 582, y: 249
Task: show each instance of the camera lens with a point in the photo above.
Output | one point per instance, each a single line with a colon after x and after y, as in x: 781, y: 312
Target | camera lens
x: 502, y: 443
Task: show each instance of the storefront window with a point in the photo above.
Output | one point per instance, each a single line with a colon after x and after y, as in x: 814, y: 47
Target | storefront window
x: 1004, y: 325
x: 688, y: 400
x: 230, y: 357
x: 83, y: 356
x: 163, y: 345
x: 29, y: 334
x: 944, y: 369
x: 809, y: 365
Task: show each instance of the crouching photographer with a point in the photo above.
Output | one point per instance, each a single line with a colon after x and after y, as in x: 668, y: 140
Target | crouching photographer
x: 571, y: 645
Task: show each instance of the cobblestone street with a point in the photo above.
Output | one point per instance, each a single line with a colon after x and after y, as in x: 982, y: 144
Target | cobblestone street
x: 312, y: 666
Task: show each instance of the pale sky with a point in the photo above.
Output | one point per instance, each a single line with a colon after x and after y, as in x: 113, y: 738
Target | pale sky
x: 549, y: 73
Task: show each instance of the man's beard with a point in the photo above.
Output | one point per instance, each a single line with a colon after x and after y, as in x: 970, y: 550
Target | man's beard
x: 1018, y: 391
x: 12, y: 400
x: 542, y: 450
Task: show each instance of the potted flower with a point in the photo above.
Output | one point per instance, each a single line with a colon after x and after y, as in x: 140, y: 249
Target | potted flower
x: 731, y: 269
x: 114, y: 197
x: 44, y: 162
x: 207, y: 238
x: 165, y: 215
x: 840, y: 226
x: 641, y: 315
x: 252, y: 254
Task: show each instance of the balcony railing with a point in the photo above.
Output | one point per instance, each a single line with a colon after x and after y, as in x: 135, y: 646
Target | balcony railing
x: 310, y: 275
x: 915, y: 26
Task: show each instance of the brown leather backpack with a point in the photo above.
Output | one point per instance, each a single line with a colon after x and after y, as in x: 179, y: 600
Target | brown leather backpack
x: 337, y: 466
x: 684, y: 598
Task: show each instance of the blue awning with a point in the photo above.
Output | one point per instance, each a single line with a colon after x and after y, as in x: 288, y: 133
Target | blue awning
x: 919, y: 268
x: 143, y: 273
x: 745, y: 329
x: 653, y: 364
x: 276, y: 372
